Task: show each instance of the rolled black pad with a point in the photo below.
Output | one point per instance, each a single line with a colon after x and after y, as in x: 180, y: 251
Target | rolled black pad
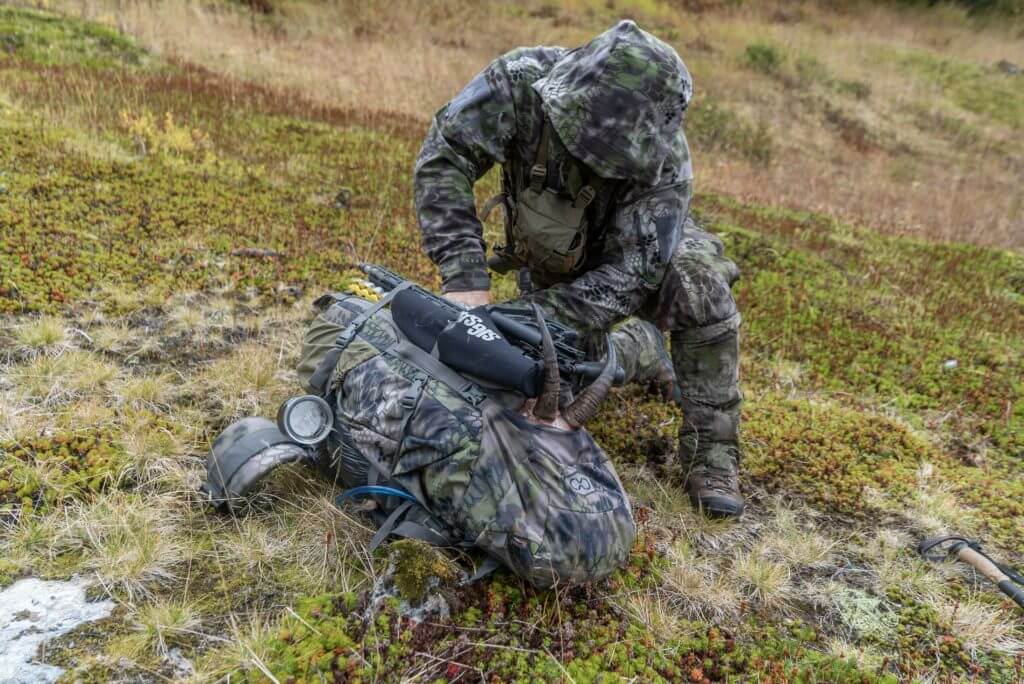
x: 468, y: 344
x: 244, y: 454
x: 419, y: 319
x: 473, y: 345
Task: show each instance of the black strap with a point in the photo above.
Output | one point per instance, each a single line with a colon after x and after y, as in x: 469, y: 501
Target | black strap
x: 539, y: 170
x: 415, y: 530
x: 489, y: 565
x: 325, y: 369
x: 388, y: 525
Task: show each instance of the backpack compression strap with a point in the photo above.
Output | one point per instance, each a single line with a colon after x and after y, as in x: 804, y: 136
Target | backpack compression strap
x: 416, y: 357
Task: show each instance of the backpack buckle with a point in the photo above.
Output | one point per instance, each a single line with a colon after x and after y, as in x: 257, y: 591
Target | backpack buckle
x: 473, y: 394
x: 585, y: 197
x: 412, y: 395
x: 538, y: 174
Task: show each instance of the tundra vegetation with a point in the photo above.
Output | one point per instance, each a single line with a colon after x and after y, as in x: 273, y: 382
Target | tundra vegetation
x: 179, y: 180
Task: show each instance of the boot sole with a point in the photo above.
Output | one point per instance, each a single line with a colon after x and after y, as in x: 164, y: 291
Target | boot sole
x: 719, y: 508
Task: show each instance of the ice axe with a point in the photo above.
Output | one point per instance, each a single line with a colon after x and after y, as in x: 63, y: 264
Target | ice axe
x: 1009, y: 581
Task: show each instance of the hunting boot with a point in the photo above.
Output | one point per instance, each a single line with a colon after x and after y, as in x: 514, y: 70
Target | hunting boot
x: 706, y: 362
x: 712, y: 482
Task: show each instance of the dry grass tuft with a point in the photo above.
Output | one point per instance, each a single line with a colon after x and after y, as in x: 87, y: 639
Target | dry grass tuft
x: 50, y: 380
x: 980, y: 624
x: 892, y: 556
x: 41, y: 333
x: 247, y: 647
x: 162, y: 624
x: 700, y: 587
x: 251, y: 381
x: 155, y: 449
x: 254, y: 546
x: 83, y: 413
x: 865, y: 658
x: 152, y: 392
x: 33, y: 544
x: 936, y: 508
x: 130, y: 542
x: 655, y: 613
x: 794, y: 544
x: 764, y: 581
x: 116, y: 338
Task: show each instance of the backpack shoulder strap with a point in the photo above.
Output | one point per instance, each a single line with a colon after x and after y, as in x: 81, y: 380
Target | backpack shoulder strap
x: 321, y: 376
x: 539, y: 170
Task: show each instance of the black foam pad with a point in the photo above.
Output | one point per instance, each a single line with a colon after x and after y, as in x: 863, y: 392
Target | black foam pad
x: 419, y: 319
x: 472, y: 344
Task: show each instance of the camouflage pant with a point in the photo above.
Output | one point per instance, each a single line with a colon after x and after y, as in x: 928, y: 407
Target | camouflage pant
x: 695, y: 305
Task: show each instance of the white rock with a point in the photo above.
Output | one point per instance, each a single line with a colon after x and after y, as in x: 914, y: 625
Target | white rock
x: 34, y: 611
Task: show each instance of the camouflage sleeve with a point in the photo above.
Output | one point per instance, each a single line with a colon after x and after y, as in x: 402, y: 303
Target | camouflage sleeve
x: 639, y: 243
x: 467, y: 136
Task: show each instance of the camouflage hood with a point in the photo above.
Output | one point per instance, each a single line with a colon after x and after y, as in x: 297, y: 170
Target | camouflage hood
x: 617, y: 103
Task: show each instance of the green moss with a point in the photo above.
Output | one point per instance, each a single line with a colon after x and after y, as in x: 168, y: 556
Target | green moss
x: 118, y: 202
x: 764, y: 58
x: 37, y: 474
x: 553, y: 635
x: 635, y: 427
x: 417, y: 567
x: 9, y: 571
x: 923, y: 643
x: 876, y: 318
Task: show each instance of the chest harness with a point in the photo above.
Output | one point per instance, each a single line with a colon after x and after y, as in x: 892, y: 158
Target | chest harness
x: 545, y: 230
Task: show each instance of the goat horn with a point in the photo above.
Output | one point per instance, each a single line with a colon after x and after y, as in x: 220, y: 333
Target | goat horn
x: 589, y: 400
x: 546, y: 407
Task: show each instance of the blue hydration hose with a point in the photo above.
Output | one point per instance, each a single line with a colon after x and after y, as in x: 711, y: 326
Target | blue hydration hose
x: 374, y: 490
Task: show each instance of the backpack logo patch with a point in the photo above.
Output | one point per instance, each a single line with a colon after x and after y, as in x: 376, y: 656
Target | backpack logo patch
x: 580, y: 483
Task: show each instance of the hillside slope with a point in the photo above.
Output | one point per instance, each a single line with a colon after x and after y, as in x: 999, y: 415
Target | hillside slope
x: 884, y: 379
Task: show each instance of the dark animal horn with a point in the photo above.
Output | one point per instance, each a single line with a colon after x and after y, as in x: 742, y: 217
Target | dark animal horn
x: 589, y: 400
x: 546, y: 407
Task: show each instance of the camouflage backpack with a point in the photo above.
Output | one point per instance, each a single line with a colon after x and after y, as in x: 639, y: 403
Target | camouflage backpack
x: 448, y: 460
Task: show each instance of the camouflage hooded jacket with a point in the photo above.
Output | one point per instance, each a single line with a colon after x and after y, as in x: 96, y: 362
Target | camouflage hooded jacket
x: 616, y: 105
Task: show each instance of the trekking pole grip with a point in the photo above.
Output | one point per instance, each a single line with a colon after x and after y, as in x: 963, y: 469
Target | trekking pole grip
x: 986, y: 567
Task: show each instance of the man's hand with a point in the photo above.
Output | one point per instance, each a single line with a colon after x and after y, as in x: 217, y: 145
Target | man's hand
x: 470, y: 298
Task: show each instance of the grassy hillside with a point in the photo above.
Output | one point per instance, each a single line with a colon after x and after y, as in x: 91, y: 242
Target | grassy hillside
x: 884, y: 373
x: 891, y: 114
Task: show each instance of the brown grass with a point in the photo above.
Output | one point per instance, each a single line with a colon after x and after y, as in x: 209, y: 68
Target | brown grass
x: 877, y: 161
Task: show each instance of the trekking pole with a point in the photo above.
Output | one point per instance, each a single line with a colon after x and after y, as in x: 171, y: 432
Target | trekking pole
x: 1009, y: 581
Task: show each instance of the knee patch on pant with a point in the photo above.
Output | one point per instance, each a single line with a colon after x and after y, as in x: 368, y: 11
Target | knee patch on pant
x: 697, y: 290
x: 707, y: 362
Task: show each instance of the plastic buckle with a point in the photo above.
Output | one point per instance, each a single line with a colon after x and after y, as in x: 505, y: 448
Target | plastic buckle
x: 473, y: 394
x: 408, y: 400
x: 538, y: 174
x: 346, y: 336
x: 585, y: 197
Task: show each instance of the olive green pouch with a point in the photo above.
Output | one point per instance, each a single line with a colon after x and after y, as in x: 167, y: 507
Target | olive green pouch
x: 550, y: 230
